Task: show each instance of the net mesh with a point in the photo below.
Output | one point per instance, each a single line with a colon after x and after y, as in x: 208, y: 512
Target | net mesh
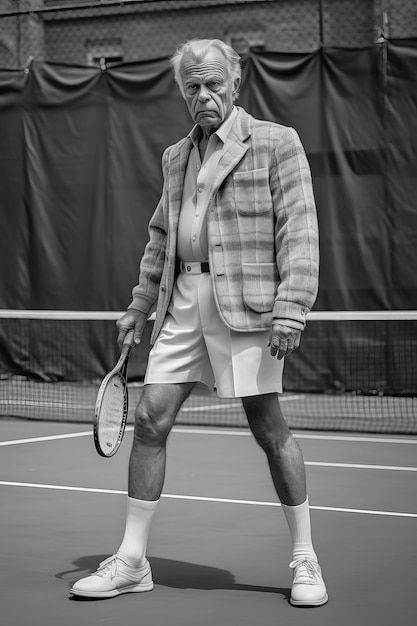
x: 354, y: 372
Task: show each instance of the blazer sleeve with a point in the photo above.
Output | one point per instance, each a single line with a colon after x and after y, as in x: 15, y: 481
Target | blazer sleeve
x: 145, y: 293
x: 296, y: 234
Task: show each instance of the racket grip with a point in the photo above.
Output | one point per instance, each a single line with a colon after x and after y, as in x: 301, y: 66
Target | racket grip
x: 129, y: 338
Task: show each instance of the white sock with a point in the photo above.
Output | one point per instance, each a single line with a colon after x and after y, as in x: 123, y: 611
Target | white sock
x: 139, y: 516
x: 298, y: 520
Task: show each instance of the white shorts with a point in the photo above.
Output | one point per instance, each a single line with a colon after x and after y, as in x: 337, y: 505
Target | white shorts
x: 194, y: 345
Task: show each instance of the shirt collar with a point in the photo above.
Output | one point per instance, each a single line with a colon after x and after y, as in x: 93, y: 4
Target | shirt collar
x: 222, y: 132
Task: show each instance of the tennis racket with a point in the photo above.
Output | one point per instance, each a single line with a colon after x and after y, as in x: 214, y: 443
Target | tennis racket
x: 112, y: 404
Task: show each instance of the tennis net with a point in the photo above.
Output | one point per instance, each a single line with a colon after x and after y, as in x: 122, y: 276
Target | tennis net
x: 354, y: 371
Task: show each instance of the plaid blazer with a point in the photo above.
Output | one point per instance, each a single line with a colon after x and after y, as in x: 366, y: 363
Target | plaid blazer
x: 262, y: 230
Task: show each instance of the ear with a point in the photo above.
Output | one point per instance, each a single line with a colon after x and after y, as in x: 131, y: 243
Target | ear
x: 236, y: 86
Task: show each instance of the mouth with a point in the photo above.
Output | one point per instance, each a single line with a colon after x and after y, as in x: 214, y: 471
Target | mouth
x: 206, y: 112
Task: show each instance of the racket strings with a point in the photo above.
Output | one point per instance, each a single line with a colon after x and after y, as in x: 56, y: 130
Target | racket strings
x: 112, y: 412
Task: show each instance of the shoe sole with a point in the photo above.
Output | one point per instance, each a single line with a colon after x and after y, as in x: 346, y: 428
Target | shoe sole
x: 310, y: 604
x: 113, y: 592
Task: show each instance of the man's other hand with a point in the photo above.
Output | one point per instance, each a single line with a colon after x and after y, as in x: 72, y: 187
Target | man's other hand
x: 283, y: 340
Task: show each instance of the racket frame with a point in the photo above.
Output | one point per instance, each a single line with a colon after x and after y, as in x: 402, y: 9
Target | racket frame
x: 121, y: 369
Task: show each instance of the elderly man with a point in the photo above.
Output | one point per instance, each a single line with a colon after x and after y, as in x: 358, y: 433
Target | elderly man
x: 232, y: 262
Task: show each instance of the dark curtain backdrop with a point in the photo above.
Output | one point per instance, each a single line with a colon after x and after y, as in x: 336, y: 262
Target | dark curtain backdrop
x: 80, y: 173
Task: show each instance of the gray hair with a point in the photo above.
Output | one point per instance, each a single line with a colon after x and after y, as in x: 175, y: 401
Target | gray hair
x: 197, y: 50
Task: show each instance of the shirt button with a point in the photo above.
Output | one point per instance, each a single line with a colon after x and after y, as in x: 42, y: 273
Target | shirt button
x: 194, y: 238
x: 197, y: 213
x: 200, y: 189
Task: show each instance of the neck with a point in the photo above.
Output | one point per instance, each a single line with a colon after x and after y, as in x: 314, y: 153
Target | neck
x: 207, y: 132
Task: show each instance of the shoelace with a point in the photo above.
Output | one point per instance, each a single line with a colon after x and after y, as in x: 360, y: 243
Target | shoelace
x: 306, y: 572
x: 109, y: 566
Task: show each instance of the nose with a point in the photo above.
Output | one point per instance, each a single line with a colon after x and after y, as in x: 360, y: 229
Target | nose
x: 203, y: 94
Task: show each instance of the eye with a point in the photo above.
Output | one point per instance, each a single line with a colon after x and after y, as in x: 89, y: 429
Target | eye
x: 214, y: 85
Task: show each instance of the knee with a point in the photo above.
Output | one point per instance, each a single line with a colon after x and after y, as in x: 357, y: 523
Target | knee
x: 273, y: 436
x: 151, y: 426
x: 267, y: 424
x: 269, y: 440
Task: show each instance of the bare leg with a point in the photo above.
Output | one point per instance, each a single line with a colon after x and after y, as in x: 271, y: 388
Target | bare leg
x: 288, y: 474
x: 128, y: 569
x: 284, y: 455
x: 154, y: 418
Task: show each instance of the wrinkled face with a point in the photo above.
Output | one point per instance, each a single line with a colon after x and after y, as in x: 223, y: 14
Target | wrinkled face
x: 208, y: 89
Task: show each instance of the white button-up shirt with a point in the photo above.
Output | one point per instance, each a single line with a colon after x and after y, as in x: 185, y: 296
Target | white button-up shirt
x: 192, y: 242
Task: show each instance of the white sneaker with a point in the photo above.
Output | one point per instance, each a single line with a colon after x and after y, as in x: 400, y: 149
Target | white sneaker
x: 113, y: 577
x: 308, y: 588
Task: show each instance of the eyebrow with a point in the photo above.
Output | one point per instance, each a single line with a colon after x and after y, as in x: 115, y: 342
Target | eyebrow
x: 202, y: 76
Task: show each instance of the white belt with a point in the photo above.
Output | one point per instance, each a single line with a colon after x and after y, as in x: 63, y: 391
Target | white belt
x: 194, y: 267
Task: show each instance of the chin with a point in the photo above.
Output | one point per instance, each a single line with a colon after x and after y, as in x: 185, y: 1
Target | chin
x: 208, y: 117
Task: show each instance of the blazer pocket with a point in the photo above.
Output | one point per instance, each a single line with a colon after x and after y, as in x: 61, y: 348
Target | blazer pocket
x: 252, y: 192
x: 260, y: 284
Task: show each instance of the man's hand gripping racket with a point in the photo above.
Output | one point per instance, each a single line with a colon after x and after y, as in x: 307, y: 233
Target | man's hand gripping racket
x: 112, y: 404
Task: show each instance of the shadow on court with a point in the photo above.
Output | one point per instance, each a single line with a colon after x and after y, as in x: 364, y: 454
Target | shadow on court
x: 174, y: 574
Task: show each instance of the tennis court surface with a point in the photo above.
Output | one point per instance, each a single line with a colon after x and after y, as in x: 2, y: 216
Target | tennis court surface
x: 219, y: 547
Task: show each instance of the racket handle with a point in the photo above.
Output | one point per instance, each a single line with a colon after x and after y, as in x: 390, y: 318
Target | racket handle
x: 129, y: 338
x: 127, y: 345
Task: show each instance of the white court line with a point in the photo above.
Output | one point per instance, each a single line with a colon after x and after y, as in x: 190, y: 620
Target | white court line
x: 205, y: 431
x: 16, y: 442
x: 247, y: 433
x: 205, y: 499
x: 233, y: 405
x: 208, y: 407
x: 312, y: 463
x: 397, y: 468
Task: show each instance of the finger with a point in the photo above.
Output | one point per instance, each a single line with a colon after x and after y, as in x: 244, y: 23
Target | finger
x: 129, y: 338
x: 137, y: 335
x: 273, y: 348
x: 122, y: 334
x: 283, y: 350
x: 293, y: 344
x: 278, y: 349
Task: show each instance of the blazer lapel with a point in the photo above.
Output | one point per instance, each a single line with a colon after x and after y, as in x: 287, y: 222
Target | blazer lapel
x: 234, y: 148
x: 176, y: 174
